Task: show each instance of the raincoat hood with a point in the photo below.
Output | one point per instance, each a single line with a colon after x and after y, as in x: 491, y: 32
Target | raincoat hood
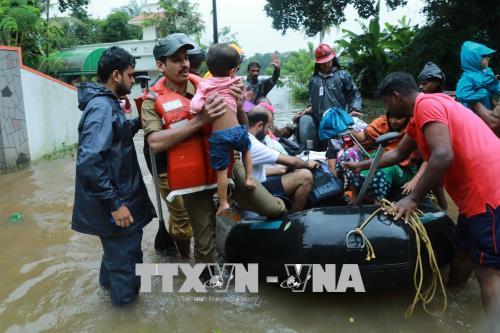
x: 431, y: 72
x: 471, y: 55
x: 476, y: 84
x: 89, y: 90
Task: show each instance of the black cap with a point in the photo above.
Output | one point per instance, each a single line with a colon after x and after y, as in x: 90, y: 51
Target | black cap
x: 196, y: 55
x: 169, y: 45
x: 431, y: 72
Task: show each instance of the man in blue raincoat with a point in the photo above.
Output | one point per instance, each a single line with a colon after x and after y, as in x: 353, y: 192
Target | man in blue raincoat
x: 111, y: 200
x: 477, y: 83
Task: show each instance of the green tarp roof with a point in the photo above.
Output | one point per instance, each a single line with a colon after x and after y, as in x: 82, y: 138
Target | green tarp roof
x: 78, y: 62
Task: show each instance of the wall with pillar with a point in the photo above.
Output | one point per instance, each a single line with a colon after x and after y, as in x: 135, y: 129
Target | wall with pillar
x: 14, y: 147
x: 38, y: 113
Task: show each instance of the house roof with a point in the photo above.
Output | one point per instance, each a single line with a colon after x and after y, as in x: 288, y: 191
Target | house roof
x: 139, y: 20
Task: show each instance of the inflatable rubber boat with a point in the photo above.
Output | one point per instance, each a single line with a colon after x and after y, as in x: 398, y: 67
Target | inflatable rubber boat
x: 327, y: 235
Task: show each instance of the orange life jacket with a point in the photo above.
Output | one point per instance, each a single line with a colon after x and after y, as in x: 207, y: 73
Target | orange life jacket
x: 188, y: 163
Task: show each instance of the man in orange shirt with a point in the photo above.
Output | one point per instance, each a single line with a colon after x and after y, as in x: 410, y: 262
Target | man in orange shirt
x: 461, y: 150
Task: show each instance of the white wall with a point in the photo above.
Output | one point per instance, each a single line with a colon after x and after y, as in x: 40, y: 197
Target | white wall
x: 52, y: 114
x: 149, y: 33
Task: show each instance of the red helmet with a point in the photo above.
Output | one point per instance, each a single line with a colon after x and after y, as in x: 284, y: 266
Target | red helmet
x: 324, y: 53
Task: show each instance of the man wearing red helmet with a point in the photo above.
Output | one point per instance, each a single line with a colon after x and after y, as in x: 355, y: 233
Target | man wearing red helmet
x: 330, y: 86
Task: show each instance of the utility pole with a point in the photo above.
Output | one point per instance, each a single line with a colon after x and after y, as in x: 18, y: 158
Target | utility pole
x: 47, y: 32
x: 214, y: 15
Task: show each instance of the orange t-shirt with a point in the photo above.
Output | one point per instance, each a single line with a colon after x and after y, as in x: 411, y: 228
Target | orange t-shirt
x: 473, y: 178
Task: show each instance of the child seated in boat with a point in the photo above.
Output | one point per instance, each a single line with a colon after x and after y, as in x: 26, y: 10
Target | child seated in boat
x: 404, y: 175
x: 228, y: 132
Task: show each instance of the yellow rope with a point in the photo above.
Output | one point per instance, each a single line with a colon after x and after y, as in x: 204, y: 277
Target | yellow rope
x: 370, y: 253
x: 427, y: 295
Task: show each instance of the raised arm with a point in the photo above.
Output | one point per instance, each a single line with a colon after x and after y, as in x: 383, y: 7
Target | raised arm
x: 271, y: 82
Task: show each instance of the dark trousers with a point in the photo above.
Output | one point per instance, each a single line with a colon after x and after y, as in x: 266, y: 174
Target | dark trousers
x: 118, y: 267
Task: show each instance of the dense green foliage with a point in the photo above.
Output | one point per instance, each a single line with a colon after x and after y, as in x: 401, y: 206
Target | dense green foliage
x: 115, y: 27
x: 297, y: 70
x: 376, y: 51
x: 23, y: 23
x: 178, y: 16
x: 449, y: 24
x: 315, y: 16
x: 75, y: 6
x: 370, y: 55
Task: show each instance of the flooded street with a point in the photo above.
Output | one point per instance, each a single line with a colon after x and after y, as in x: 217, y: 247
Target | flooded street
x: 49, y: 278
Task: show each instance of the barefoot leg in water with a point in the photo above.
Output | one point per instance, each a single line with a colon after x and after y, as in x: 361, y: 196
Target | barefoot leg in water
x: 489, y: 281
x: 461, y: 268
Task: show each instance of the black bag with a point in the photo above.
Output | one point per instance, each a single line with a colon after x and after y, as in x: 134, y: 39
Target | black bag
x: 325, y: 189
x: 291, y: 147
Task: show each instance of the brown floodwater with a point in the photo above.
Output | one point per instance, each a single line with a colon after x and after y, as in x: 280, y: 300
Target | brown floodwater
x: 49, y: 280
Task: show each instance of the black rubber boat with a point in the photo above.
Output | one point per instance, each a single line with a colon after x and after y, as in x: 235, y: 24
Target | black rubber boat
x: 325, y: 235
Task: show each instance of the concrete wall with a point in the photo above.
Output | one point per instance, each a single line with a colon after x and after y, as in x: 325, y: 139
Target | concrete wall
x: 38, y: 114
x: 52, y: 114
x: 149, y: 33
x: 14, y: 147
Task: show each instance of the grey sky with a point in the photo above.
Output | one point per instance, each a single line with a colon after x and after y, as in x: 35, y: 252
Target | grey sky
x: 254, y: 29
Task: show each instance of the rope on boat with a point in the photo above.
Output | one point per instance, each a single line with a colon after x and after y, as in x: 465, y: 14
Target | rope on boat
x: 427, y: 295
x: 370, y: 252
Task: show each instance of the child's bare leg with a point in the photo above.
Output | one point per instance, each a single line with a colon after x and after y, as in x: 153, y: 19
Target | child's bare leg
x: 247, y: 163
x: 222, y: 191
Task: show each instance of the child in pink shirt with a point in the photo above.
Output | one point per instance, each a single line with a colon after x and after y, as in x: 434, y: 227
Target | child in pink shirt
x: 227, y: 132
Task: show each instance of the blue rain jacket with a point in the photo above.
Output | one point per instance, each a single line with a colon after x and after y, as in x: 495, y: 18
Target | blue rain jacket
x: 476, y: 84
x: 107, y: 170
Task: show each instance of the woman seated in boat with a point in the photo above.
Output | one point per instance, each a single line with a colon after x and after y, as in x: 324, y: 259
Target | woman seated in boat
x: 403, y: 176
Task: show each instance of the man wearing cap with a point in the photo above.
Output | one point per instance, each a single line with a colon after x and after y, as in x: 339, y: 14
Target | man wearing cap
x: 175, y: 68
x: 172, y: 60
x: 257, y: 88
x: 196, y: 58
